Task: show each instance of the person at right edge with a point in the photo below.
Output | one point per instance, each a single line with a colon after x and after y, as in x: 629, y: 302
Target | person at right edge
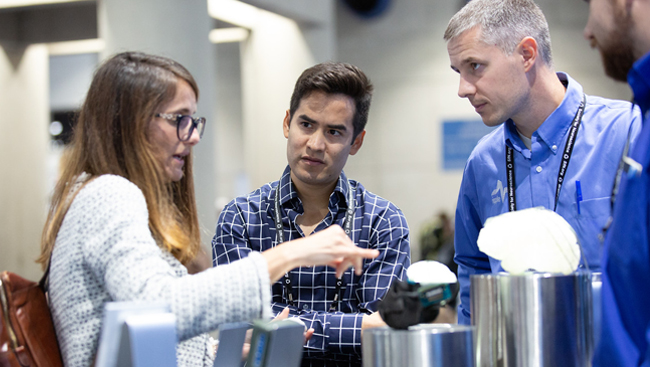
x: 564, y: 146
x: 620, y: 30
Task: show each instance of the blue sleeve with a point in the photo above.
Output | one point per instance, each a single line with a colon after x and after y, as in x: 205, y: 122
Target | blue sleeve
x: 469, y: 258
x: 230, y: 242
x: 646, y: 360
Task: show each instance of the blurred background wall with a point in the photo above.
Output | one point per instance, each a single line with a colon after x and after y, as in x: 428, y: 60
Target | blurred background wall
x: 246, y: 57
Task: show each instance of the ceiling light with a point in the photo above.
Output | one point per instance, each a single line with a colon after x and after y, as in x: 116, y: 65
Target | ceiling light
x: 223, y: 35
x: 22, y: 3
x: 76, y: 47
x: 234, y: 12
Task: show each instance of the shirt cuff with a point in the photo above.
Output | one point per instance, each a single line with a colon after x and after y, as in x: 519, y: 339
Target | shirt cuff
x: 345, y: 333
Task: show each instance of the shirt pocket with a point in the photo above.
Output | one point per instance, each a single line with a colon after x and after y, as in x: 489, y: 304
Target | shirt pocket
x: 594, y: 213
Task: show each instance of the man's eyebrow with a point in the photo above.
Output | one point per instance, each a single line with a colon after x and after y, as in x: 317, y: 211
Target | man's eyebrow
x: 465, y: 61
x: 340, y: 127
x: 308, y: 119
x: 469, y: 60
x: 337, y: 127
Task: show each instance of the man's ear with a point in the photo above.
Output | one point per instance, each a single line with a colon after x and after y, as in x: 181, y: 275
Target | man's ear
x: 528, y: 49
x: 285, y: 124
x: 357, y: 143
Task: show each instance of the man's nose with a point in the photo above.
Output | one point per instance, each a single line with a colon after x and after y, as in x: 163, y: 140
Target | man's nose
x: 316, y: 141
x: 465, y: 88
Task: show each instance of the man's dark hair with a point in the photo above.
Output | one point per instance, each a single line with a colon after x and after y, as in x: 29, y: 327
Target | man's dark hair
x: 333, y: 78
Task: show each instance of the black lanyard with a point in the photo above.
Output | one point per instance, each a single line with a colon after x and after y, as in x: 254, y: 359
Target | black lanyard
x: 347, y: 226
x: 564, y: 165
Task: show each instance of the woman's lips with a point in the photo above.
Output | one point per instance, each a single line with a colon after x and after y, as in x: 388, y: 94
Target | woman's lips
x: 179, y: 158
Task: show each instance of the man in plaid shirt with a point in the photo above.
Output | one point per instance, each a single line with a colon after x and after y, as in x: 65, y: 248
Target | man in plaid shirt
x: 324, y: 125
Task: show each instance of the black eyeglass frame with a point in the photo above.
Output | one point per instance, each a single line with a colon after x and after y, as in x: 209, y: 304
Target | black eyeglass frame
x: 198, y: 123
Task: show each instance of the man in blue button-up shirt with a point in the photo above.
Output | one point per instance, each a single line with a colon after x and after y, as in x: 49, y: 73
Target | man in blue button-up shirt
x: 621, y: 31
x: 502, y: 52
x: 324, y: 126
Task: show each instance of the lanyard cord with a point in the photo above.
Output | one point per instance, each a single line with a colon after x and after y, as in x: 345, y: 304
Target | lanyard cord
x: 566, y: 158
x: 347, y: 226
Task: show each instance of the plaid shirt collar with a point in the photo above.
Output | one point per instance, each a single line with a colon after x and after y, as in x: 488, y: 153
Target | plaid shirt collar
x: 288, y: 193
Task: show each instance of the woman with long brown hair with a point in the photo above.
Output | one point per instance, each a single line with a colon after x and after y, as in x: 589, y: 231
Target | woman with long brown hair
x: 123, y: 220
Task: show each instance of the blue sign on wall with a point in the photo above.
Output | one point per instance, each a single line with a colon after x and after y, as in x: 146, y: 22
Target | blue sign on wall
x: 459, y: 137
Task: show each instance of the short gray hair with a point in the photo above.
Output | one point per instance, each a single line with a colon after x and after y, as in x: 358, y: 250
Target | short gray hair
x: 504, y: 23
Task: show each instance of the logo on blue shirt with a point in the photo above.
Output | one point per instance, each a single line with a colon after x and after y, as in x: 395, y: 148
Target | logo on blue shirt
x: 499, y: 194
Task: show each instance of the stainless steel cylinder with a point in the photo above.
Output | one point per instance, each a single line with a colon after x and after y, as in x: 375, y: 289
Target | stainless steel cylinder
x: 532, y: 320
x: 596, y: 285
x: 425, y: 345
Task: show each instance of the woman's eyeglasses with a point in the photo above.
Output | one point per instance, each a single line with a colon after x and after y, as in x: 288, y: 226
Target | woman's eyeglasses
x: 185, y: 124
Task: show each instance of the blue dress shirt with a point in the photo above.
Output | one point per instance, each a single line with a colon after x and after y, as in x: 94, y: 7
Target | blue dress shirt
x: 483, y: 194
x: 625, y: 333
x: 247, y: 224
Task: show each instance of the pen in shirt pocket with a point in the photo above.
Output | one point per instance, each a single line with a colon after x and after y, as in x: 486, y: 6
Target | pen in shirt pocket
x: 578, y: 194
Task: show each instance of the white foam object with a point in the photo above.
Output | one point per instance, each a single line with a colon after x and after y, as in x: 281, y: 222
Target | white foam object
x: 430, y: 272
x: 534, y: 238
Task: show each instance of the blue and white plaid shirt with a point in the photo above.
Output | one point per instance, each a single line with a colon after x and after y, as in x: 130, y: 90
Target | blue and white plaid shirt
x: 247, y: 224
